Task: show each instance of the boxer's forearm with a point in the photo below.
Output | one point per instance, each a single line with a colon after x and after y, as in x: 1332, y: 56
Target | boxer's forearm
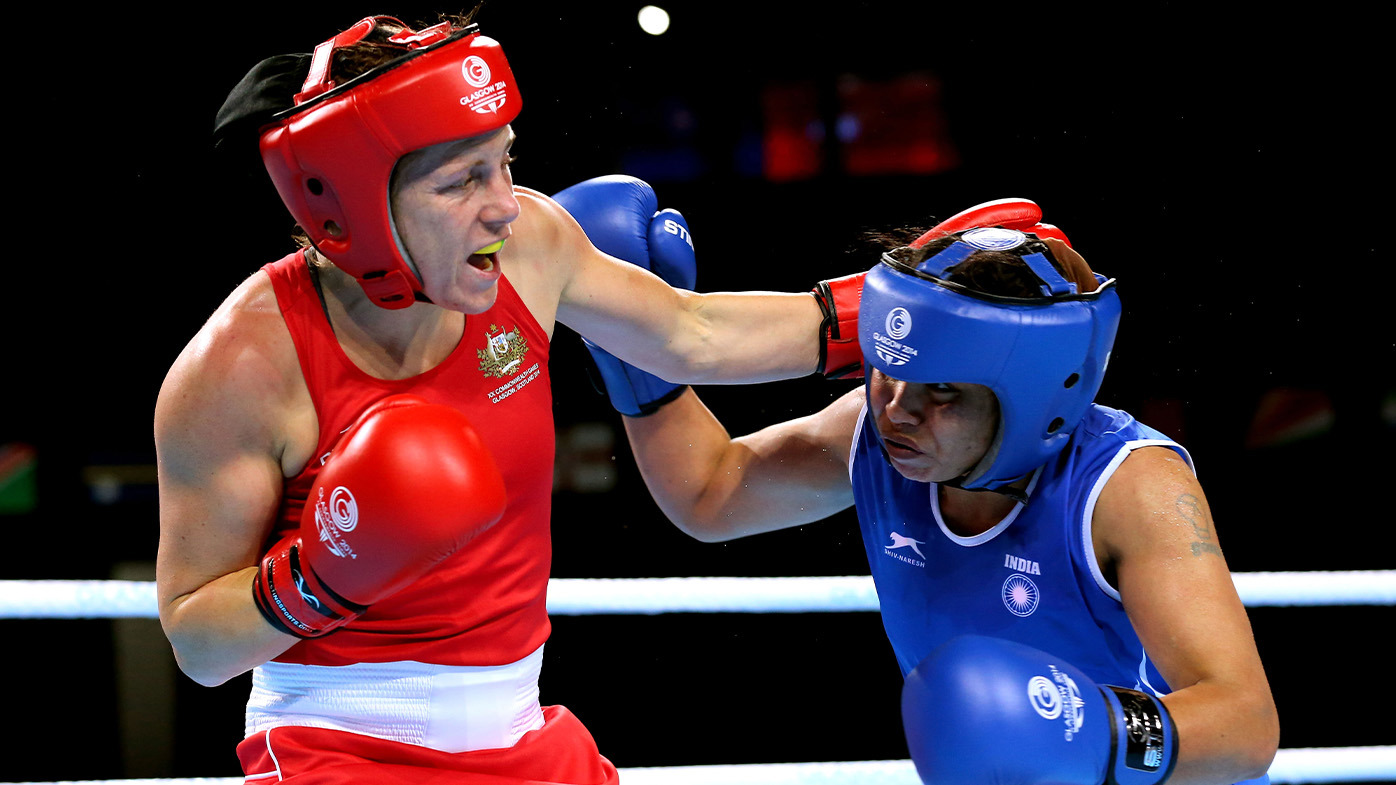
x: 716, y: 488
x: 750, y: 337
x: 218, y: 633
x: 1227, y: 732
x: 679, y: 449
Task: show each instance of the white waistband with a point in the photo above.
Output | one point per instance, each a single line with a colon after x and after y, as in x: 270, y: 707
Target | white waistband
x: 449, y: 708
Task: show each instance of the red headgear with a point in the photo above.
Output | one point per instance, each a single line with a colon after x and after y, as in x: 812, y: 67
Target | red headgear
x: 331, y: 156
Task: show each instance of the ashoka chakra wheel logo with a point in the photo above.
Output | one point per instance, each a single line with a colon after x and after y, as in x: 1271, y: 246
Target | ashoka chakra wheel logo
x: 1020, y: 595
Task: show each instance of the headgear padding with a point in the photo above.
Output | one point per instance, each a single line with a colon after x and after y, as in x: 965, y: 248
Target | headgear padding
x: 332, y: 155
x: 1043, y: 357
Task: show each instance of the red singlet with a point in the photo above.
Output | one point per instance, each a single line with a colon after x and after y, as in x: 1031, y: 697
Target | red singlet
x: 485, y: 605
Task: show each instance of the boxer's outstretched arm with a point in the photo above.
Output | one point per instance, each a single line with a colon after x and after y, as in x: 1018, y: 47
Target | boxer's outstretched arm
x: 1153, y: 531
x: 715, y: 488
x: 678, y: 335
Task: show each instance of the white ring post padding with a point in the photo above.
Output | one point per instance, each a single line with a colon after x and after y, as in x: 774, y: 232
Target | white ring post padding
x: 1291, y: 767
x: 582, y: 596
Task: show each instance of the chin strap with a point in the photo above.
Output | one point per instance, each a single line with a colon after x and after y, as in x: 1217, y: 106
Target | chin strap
x: 1016, y: 494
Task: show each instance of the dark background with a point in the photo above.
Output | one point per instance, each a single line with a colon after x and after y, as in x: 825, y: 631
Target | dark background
x: 1226, y: 167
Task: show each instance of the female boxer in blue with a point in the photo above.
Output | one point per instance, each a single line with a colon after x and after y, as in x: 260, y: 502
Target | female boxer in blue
x: 1028, y: 546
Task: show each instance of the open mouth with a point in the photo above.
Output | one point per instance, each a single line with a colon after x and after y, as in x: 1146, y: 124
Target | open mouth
x: 485, y: 262
x: 487, y: 258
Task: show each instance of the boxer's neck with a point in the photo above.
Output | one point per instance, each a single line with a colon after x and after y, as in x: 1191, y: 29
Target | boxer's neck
x: 969, y: 513
x: 387, y: 343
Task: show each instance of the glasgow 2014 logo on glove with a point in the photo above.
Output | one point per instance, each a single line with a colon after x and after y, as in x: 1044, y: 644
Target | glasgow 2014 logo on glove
x: 1058, y: 697
x: 335, y: 518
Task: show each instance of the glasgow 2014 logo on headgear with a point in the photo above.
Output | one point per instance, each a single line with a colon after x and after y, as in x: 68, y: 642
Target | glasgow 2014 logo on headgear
x: 899, y: 323
x: 476, y: 71
x: 489, y: 96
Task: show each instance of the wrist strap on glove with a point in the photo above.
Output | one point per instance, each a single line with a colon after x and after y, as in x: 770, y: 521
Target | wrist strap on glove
x: 294, y: 600
x: 1144, y: 747
x: 840, y: 357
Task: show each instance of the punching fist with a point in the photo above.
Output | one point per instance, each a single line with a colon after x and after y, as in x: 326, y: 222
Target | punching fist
x: 407, y: 485
x: 1012, y: 213
x: 982, y: 710
x: 840, y: 357
x: 621, y: 217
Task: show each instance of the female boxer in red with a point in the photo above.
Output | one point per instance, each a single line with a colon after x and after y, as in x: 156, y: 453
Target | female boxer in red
x: 355, y: 451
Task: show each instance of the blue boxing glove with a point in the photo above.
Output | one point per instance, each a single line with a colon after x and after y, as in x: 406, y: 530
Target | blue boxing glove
x: 621, y: 217
x: 984, y: 710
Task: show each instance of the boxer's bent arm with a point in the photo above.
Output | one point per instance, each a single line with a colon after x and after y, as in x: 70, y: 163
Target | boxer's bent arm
x: 220, y: 483
x: 717, y: 488
x: 683, y: 337
x: 1152, y: 528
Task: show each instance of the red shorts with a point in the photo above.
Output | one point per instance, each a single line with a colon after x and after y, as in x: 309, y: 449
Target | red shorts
x: 561, y: 752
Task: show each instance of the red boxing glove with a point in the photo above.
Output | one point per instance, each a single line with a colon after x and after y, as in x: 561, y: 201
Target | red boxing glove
x: 1043, y: 231
x: 840, y: 357
x: 1021, y: 214
x: 407, y: 485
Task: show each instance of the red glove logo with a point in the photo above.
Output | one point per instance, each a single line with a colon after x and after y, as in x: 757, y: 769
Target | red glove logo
x: 340, y: 514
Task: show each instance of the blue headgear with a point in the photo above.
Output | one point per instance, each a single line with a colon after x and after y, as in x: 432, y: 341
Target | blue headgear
x: 1043, y: 357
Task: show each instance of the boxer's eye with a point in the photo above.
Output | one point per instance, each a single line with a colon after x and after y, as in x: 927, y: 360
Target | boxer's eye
x: 942, y: 393
x: 464, y: 181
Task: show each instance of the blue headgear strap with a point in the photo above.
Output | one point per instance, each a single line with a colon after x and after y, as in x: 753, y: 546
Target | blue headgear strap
x: 990, y: 238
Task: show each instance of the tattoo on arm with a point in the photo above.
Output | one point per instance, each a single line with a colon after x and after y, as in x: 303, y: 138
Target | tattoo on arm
x: 1190, y: 507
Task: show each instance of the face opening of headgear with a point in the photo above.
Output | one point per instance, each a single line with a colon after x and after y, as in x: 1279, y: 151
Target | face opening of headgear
x: 1043, y: 356
x: 331, y: 156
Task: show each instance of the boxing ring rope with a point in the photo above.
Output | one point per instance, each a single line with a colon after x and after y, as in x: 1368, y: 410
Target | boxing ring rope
x: 591, y: 596
x: 112, y: 599
x: 1291, y: 767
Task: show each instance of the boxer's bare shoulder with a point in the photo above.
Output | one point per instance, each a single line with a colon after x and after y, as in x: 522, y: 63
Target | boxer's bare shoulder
x: 542, y: 253
x: 547, y: 231
x: 238, y: 382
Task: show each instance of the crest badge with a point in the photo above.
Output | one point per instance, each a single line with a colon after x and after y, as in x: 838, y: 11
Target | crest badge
x: 504, y: 352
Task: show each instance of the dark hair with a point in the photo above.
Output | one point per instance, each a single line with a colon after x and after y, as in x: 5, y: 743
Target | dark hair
x: 1001, y: 273
x: 376, y: 49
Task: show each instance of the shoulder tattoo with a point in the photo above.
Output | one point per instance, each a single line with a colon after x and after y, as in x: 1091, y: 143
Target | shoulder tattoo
x: 1190, y: 507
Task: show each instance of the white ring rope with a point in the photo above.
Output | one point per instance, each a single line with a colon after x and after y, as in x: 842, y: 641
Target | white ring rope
x: 584, y: 596
x: 136, y: 599
x: 1291, y: 767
